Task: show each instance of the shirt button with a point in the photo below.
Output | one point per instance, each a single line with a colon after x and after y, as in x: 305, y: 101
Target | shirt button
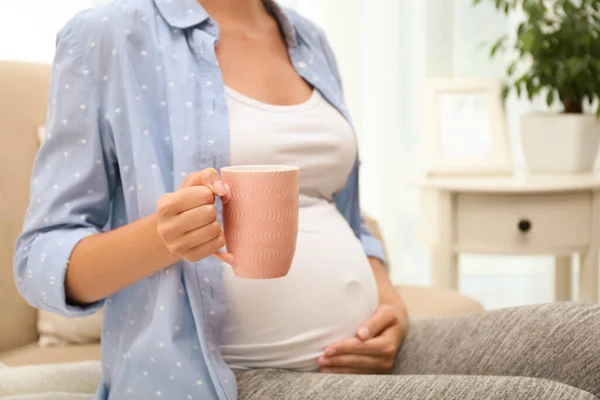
x: 302, y: 65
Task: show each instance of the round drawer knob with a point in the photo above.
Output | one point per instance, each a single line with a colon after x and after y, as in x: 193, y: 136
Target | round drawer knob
x: 524, y: 225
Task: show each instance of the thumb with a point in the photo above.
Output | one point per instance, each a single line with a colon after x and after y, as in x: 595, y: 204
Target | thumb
x: 210, y: 178
x: 383, y: 318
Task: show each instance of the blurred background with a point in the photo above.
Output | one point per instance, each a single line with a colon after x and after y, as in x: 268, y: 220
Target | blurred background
x: 385, y: 49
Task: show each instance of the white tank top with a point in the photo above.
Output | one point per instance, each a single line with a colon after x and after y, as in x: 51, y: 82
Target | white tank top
x: 330, y: 289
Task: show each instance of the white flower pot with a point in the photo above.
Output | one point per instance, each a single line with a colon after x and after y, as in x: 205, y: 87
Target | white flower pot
x: 560, y: 143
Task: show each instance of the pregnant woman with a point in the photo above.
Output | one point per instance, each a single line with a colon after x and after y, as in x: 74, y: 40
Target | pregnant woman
x: 148, y: 99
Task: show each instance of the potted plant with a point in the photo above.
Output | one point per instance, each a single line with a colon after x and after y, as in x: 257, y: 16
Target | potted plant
x: 557, y: 56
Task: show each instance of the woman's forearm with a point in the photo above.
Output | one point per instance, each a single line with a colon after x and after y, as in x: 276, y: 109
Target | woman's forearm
x: 388, y: 295
x: 105, y: 263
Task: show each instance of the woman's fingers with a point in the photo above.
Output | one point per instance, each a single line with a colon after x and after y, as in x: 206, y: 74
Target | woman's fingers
x: 195, y: 218
x: 204, y: 250
x: 173, y: 229
x: 208, y: 177
x: 357, y: 346
x: 187, y: 219
x: 384, y: 317
x: 188, y: 198
x: 192, y: 239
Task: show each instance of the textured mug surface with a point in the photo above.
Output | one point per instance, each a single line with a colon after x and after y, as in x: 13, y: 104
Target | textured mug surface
x: 260, y: 220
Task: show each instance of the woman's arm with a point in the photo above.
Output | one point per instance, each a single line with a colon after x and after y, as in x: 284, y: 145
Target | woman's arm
x: 388, y: 295
x: 62, y: 258
x: 73, y: 177
x: 185, y: 226
x: 105, y: 263
x: 64, y: 262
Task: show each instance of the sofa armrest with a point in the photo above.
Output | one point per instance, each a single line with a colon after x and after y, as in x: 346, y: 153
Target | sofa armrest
x: 23, y: 101
x: 18, y: 320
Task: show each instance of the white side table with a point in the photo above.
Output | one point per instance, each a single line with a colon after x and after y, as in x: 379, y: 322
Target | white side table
x: 553, y: 215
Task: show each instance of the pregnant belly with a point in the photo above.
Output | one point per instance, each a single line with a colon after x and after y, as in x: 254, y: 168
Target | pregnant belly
x: 287, y: 322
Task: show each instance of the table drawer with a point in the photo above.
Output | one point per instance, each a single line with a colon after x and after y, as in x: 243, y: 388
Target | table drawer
x: 529, y: 223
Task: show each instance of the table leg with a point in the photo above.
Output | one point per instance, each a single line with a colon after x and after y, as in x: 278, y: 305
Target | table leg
x: 562, y: 278
x: 588, y: 277
x: 444, y: 263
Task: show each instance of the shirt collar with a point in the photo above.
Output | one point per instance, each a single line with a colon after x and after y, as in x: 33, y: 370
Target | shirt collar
x: 182, y: 14
x: 185, y: 14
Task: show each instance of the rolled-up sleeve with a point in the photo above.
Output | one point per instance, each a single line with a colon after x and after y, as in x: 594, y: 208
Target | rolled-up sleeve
x: 372, y: 245
x: 71, y: 186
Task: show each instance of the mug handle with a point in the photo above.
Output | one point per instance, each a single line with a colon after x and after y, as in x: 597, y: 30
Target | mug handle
x: 225, y: 256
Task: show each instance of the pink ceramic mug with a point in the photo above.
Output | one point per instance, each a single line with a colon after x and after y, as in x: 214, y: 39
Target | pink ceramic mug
x: 260, y: 220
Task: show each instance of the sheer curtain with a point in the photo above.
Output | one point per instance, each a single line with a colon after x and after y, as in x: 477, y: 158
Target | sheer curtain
x: 385, y: 50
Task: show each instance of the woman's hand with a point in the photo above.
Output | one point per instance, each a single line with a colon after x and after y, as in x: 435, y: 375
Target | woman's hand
x: 187, y: 219
x: 373, y: 351
x: 378, y: 340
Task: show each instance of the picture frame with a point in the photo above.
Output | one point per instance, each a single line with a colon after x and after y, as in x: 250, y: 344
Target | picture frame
x: 465, y: 129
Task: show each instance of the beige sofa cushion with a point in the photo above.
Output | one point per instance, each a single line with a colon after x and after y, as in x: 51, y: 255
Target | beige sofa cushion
x: 34, y: 355
x: 56, y: 330
x: 427, y: 302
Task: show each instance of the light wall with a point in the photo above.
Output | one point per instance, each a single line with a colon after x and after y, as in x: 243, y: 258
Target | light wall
x: 28, y: 28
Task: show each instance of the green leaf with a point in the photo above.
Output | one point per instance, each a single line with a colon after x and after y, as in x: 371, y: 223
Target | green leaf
x: 535, y: 9
x: 505, y: 92
x: 533, y: 87
x: 575, y: 66
x: 530, y: 89
x: 550, y: 98
x: 546, y: 71
x: 528, y: 40
x: 568, y: 7
x: 498, y: 45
